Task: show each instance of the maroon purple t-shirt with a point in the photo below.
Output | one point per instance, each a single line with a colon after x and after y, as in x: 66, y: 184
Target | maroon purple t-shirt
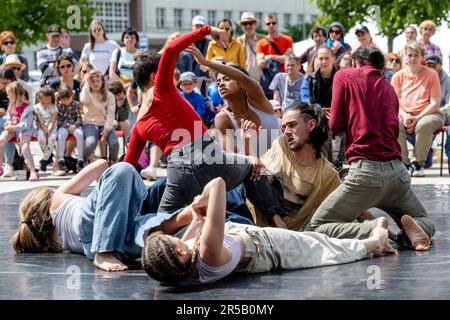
x: 365, y: 106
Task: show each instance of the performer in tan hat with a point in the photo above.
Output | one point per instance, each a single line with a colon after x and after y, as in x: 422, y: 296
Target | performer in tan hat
x: 248, y: 24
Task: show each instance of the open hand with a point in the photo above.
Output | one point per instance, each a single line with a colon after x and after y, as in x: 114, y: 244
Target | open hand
x: 221, y: 37
x: 198, y: 56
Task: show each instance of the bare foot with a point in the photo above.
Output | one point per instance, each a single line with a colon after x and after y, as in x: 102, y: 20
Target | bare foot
x: 379, y: 241
x: 419, y: 239
x: 279, y: 222
x: 106, y: 261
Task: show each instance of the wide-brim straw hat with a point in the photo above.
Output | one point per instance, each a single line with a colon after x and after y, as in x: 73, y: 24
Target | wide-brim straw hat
x: 13, y: 60
x: 247, y: 16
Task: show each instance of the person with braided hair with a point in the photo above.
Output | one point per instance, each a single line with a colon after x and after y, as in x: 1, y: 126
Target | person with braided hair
x: 212, y: 249
x: 104, y: 225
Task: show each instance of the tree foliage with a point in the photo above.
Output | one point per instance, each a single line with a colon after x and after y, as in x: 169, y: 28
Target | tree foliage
x: 391, y: 16
x: 29, y: 19
x: 299, y: 32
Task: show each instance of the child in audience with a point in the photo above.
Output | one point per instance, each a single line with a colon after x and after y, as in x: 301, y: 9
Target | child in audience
x: 46, y: 116
x: 188, y: 82
x: 19, y: 124
x: 69, y: 122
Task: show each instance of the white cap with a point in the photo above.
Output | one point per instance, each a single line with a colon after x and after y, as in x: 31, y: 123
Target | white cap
x: 199, y: 20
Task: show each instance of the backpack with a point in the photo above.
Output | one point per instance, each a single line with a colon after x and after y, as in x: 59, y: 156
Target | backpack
x: 19, y: 161
x: 272, y: 68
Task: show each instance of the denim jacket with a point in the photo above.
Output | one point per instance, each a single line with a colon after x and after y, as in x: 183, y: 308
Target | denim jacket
x: 26, y: 124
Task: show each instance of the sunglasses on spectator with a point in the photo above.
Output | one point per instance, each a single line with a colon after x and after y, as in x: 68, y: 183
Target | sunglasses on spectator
x: 273, y: 23
x: 8, y: 42
x: 16, y: 68
x: 63, y: 66
x: 392, y: 60
x: 335, y: 31
x: 97, y: 30
x: 225, y: 28
x: 249, y: 23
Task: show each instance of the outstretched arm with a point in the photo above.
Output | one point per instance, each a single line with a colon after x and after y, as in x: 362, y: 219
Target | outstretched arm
x: 254, y: 91
x: 77, y: 184
x: 164, y: 76
x: 84, y: 178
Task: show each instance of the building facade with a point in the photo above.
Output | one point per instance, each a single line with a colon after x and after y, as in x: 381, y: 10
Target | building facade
x: 161, y: 18
x: 155, y: 20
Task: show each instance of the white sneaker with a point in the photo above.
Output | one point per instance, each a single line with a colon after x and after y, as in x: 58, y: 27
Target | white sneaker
x: 149, y: 173
x: 418, y: 172
x: 8, y: 171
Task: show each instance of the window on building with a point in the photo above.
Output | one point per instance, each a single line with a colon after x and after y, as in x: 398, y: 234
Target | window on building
x: 160, y: 18
x: 178, y: 18
x: 115, y: 16
x: 212, y: 17
x: 314, y: 18
x: 287, y: 20
x: 228, y: 15
x: 300, y: 19
x: 194, y: 12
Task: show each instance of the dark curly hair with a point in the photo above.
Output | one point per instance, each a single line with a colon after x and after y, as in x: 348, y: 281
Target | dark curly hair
x: 369, y: 55
x: 146, y: 63
x: 321, y: 132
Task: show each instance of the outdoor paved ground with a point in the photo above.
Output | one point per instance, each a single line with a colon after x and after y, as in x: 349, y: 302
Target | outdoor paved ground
x: 411, y: 275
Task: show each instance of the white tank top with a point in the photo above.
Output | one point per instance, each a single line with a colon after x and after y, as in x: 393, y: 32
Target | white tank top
x: 64, y: 220
x: 269, y: 122
x: 206, y: 273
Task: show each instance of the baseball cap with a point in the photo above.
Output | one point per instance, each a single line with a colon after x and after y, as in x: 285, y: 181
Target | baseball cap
x: 433, y: 59
x: 199, y: 20
x: 54, y: 29
x: 188, y: 76
x: 361, y: 28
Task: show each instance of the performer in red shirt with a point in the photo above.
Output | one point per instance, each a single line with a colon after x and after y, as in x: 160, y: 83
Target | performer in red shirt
x: 171, y: 123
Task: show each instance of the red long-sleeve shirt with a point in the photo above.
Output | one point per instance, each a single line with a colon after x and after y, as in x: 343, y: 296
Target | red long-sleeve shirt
x: 170, y: 121
x: 364, y: 106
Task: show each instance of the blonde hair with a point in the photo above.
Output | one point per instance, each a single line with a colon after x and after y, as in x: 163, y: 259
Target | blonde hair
x: 103, y: 89
x: 36, y: 233
x: 91, y: 36
x: 7, y: 34
x: 84, y: 63
x: 18, y: 91
x: 170, y: 38
x: 427, y: 24
x: 414, y: 45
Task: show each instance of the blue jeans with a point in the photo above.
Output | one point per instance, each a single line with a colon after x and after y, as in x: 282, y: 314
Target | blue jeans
x: 111, y: 213
x: 191, y: 167
x: 447, y: 145
x: 237, y: 210
x: 92, y: 134
x: 9, y: 147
